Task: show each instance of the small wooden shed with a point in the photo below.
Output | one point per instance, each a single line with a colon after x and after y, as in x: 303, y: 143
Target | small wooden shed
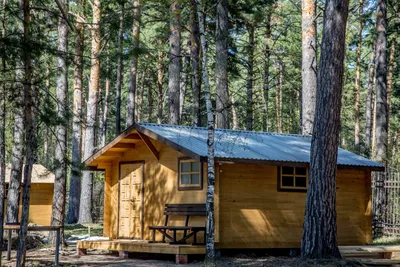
x: 42, y: 188
x: 260, y: 190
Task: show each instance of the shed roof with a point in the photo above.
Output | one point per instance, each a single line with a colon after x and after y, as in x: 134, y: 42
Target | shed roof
x: 40, y: 175
x: 248, y: 145
x: 230, y: 145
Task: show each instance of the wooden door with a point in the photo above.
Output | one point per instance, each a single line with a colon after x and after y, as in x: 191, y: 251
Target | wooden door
x: 130, y: 200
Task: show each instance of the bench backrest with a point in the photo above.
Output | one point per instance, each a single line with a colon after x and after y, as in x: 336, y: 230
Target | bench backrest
x: 185, y: 209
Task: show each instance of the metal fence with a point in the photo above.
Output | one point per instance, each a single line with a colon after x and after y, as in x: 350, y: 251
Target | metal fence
x: 386, y: 202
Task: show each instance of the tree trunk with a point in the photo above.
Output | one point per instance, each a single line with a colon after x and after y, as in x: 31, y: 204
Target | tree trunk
x: 221, y: 65
x: 47, y: 104
x: 160, y: 76
x: 184, y: 82
x: 195, y: 58
x: 235, y: 122
x: 85, y: 208
x: 174, y: 68
x: 17, y: 156
x: 141, y: 101
x: 150, y: 100
x: 75, y: 180
x: 60, y: 157
x: 267, y: 55
x: 250, y: 78
x: 119, y: 72
x: 278, y: 97
x: 3, y: 97
x: 369, y: 104
x: 381, y: 83
x: 210, y: 249
x: 390, y: 79
x: 357, y: 82
x: 30, y: 138
x: 280, y: 91
x: 381, y: 104
x: 103, y: 134
x: 309, y: 64
x: 130, y: 117
x: 319, y: 235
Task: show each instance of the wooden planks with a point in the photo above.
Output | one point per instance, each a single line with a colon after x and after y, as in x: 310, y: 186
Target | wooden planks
x: 141, y: 246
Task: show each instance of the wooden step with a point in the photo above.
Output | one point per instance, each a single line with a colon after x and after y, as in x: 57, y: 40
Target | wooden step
x: 379, y: 262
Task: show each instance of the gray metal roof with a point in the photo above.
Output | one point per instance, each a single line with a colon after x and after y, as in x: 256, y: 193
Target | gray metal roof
x: 249, y: 145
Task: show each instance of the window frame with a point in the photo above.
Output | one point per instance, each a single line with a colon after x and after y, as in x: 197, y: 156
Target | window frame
x: 190, y: 186
x: 282, y: 188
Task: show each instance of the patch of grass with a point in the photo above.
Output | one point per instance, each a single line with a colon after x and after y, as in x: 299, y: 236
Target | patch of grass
x: 386, y: 240
x: 79, y: 229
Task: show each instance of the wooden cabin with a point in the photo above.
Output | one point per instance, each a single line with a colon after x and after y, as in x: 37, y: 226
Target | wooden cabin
x: 42, y: 188
x: 260, y: 189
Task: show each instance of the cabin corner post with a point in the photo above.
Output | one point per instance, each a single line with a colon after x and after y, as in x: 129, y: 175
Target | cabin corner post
x: 107, y: 201
x: 368, y: 207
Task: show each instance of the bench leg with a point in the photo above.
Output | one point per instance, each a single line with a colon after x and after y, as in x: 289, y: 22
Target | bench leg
x: 9, y: 245
x: 153, y: 235
x: 123, y: 254
x: 181, y: 259
x: 81, y: 251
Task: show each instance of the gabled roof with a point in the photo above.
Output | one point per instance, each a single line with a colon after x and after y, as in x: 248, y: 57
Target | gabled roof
x: 40, y: 175
x: 240, y: 146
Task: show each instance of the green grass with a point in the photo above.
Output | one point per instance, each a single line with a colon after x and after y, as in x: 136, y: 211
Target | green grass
x: 79, y: 229
x: 386, y: 240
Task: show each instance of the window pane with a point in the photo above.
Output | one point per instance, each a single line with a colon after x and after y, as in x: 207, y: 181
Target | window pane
x: 301, y: 171
x: 301, y: 181
x: 195, y: 179
x: 287, y: 170
x: 185, y: 166
x: 195, y: 167
x: 287, y: 181
x: 185, y: 179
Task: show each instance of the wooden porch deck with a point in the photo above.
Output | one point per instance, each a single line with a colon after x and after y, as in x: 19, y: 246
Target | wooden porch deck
x: 143, y: 246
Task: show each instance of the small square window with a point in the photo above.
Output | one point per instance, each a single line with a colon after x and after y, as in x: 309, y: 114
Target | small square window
x: 189, y: 175
x: 292, y: 178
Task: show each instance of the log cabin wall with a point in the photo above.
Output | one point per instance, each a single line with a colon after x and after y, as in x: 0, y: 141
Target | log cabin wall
x: 249, y: 210
x: 160, y: 188
x: 253, y: 214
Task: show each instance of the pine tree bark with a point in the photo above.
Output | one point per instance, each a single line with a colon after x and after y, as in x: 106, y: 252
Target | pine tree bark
x: 60, y: 157
x: 267, y: 55
x: 130, y: 117
x: 3, y: 97
x: 381, y: 83
x: 17, y: 156
x: 30, y: 138
x: 250, y: 77
x: 221, y: 66
x: 174, y: 69
x: 104, y: 123
x: 195, y: 64
x: 210, y: 248
x: 140, y: 100
x: 119, y: 72
x: 85, y: 205
x: 184, y: 81
x: 309, y: 64
x: 390, y: 79
x: 369, y: 104
x: 358, y: 79
x: 319, y: 234
x: 160, y: 77
x: 75, y: 180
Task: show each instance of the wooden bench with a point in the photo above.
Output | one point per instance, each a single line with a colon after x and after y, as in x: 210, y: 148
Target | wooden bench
x: 188, y: 231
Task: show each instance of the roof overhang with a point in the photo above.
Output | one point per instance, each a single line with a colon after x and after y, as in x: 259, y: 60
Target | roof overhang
x: 137, y: 133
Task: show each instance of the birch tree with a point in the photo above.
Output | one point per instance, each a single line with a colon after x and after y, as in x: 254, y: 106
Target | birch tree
x: 119, y: 71
x: 319, y: 234
x: 210, y: 248
x: 195, y: 63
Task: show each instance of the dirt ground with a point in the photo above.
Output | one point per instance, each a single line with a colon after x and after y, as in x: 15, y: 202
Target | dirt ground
x: 68, y: 257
